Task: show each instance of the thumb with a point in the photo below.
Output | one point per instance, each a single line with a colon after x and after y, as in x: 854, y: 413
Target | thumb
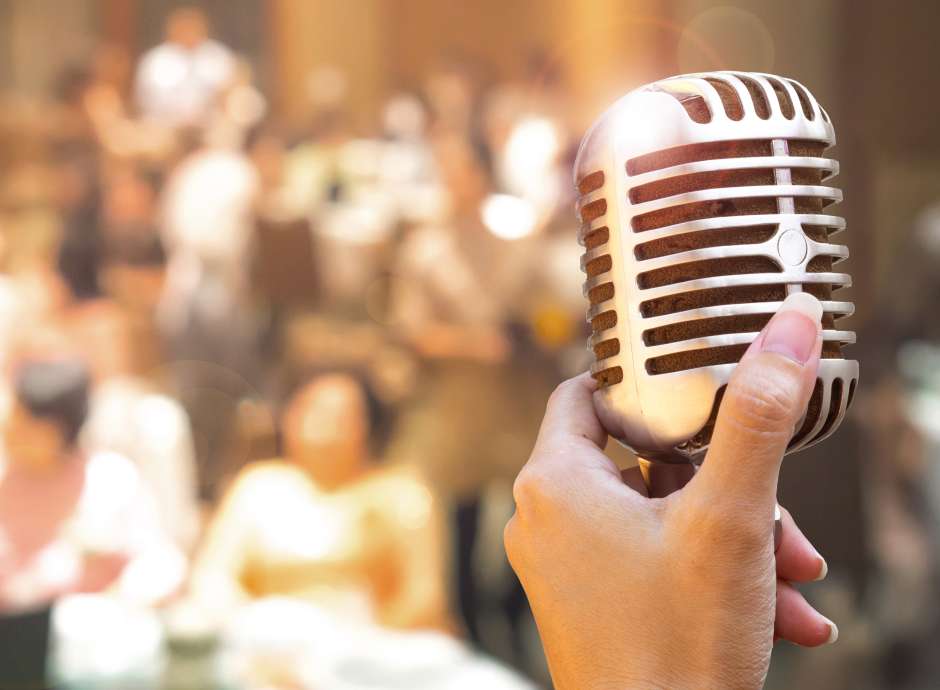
x: 765, y: 399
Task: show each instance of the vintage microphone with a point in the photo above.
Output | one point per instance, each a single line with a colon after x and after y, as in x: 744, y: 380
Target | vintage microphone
x: 702, y: 203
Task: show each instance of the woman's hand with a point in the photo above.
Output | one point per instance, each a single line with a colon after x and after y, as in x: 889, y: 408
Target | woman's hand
x: 682, y: 592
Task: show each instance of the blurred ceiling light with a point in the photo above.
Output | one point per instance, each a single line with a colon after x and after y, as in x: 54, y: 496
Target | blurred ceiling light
x: 508, y: 217
x: 532, y: 147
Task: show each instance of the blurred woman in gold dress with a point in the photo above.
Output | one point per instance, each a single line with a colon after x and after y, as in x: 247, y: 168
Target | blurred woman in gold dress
x: 326, y: 524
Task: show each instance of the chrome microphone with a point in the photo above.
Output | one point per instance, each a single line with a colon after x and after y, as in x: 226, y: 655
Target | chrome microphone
x: 703, y: 205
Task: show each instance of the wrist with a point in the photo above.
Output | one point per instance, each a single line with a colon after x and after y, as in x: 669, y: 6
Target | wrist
x: 661, y: 675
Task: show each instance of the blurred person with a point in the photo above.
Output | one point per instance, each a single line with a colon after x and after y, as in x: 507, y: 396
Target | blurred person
x: 69, y: 522
x: 129, y: 202
x: 73, y: 131
x: 207, y: 211
x: 358, y: 193
x: 79, y: 251
x: 133, y: 274
x: 32, y: 294
x: 76, y: 185
x: 29, y: 219
x: 241, y: 107
x: 267, y: 151
x: 314, y: 175
x: 327, y: 524
x: 457, y: 292
x: 179, y: 82
x: 121, y: 209
x: 528, y: 135
x: 206, y: 314
x: 98, y: 101
x: 106, y: 103
x: 454, y: 92
x: 130, y: 416
x: 408, y: 169
x: 896, y: 420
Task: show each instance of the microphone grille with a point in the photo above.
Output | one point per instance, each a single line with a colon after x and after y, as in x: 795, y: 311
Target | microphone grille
x: 691, y: 247
x: 595, y: 238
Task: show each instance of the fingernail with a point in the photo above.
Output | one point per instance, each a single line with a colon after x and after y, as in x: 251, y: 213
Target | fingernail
x: 833, y: 633
x: 823, y: 569
x: 793, y: 330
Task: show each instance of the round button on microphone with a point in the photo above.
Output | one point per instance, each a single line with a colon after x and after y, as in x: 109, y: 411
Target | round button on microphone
x: 791, y: 247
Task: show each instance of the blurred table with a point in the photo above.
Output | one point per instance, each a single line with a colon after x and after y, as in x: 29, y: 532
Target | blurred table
x: 100, y: 643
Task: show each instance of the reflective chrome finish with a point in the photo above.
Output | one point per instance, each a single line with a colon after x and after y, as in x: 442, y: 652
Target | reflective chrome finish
x: 660, y: 415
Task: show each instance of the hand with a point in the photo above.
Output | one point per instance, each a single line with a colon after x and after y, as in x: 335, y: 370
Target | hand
x: 683, y: 591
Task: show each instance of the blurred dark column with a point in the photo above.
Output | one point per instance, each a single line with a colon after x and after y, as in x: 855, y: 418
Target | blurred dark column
x: 117, y: 21
x: 6, y: 46
x: 889, y: 139
x: 38, y: 38
x: 848, y: 113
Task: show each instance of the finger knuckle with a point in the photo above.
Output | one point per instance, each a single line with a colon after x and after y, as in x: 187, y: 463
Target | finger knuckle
x: 533, y: 491
x: 560, y: 391
x: 763, y: 402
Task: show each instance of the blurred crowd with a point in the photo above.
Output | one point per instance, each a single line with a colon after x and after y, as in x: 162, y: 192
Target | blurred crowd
x: 244, y: 360
x: 265, y: 384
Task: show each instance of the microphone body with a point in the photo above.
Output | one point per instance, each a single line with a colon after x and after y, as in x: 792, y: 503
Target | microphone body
x: 702, y: 201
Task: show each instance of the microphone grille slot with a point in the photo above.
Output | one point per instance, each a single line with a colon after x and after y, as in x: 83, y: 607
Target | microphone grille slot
x: 692, y: 153
x: 595, y: 236
x: 718, y: 237
x: 700, y: 261
x: 729, y: 98
x: 758, y: 98
x: 783, y: 98
x: 804, y: 100
x: 815, y: 426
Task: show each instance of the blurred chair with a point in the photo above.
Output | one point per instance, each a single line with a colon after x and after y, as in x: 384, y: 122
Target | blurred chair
x: 285, y: 273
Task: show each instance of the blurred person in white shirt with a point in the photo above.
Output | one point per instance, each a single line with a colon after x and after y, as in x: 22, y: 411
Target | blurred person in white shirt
x: 207, y: 218
x: 207, y: 313
x: 131, y: 416
x: 70, y: 521
x: 179, y: 81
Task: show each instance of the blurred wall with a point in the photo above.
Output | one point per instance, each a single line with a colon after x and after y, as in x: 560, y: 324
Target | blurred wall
x: 39, y: 37
x: 350, y: 36
x: 602, y: 45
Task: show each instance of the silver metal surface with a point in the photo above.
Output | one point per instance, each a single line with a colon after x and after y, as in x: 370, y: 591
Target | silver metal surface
x: 659, y: 415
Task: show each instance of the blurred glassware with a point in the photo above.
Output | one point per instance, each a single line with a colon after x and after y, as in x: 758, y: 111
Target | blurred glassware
x: 103, y: 642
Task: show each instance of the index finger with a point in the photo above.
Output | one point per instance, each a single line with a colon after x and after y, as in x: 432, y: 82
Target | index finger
x: 570, y: 413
